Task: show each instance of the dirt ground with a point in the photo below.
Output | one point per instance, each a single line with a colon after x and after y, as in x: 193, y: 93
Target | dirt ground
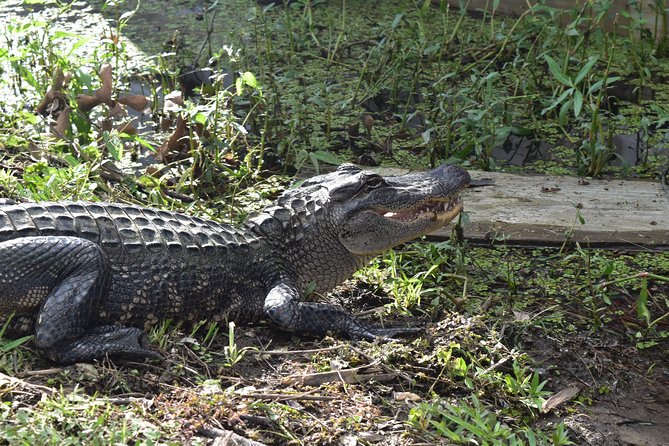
x: 636, y: 415
x: 632, y: 407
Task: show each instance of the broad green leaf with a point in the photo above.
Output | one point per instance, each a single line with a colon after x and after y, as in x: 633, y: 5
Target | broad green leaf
x: 200, y: 118
x: 467, y: 425
x: 557, y: 71
x: 71, y: 160
x: 491, y: 75
x: 571, y: 31
x: 113, y: 144
x: 564, y: 110
x: 520, y: 130
x: 426, y: 136
x: 585, y: 70
x: 564, y: 95
x: 240, y: 128
x: 139, y: 140
x: 300, y: 158
x: 65, y: 34
x: 27, y: 76
x: 531, y: 438
x: 126, y: 16
x: 444, y: 431
x: 239, y: 86
x: 314, y: 162
x: 79, y: 43
x: 578, y: 102
x: 6, y: 346
x: 327, y: 157
x: 642, y: 302
x: 396, y: 20
x: 246, y: 78
x: 596, y: 86
x: 558, y: 101
x: 432, y: 49
x: 250, y: 79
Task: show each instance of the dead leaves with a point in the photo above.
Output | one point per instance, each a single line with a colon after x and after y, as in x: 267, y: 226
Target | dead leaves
x: 178, y: 142
x: 102, y: 95
x: 55, y: 104
x: 113, y: 116
x: 54, y: 99
x: 117, y: 108
x: 137, y: 102
x: 186, y: 135
x: 563, y: 396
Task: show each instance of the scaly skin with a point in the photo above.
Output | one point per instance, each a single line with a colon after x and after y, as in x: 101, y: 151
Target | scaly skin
x: 88, y: 278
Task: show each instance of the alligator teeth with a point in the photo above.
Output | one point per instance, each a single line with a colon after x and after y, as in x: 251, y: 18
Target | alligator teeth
x: 436, y: 208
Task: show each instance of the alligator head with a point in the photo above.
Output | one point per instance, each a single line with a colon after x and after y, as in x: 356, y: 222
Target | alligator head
x: 368, y: 212
x: 333, y: 223
x: 378, y: 213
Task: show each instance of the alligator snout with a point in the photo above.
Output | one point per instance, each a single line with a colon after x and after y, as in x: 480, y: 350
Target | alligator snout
x: 452, y: 174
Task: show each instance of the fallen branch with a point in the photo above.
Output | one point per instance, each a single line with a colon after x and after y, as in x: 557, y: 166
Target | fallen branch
x: 287, y: 397
x: 299, y: 352
x: 17, y: 383
x: 348, y: 376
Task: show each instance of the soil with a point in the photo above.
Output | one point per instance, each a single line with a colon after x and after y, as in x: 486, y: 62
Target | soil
x: 637, y: 416
x: 632, y: 403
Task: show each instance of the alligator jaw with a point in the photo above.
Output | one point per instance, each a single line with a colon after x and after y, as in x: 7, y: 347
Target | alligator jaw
x: 438, y: 210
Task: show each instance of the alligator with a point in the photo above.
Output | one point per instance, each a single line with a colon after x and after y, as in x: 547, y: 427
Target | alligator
x: 88, y: 279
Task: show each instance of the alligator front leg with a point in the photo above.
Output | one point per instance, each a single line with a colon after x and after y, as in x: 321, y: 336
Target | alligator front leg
x: 283, y: 308
x: 63, y: 281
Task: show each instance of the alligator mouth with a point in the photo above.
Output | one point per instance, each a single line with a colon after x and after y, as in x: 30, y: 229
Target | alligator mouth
x: 440, y: 210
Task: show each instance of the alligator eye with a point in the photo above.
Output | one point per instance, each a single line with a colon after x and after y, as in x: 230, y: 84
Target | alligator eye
x: 374, y: 182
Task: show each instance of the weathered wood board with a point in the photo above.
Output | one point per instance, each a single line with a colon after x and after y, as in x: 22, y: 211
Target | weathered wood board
x: 541, y: 209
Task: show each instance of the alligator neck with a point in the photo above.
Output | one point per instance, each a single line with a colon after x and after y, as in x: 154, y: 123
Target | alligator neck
x: 301, y: 233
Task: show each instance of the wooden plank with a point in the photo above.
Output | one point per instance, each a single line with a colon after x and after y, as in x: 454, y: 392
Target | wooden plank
x: 541, y: 209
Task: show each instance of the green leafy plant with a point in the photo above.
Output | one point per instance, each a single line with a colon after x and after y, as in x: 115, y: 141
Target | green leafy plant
x: 7, y: 346
x: 526, y: 386
x: 571, y: 92
x: 472, y: 422
x: 233, y: 354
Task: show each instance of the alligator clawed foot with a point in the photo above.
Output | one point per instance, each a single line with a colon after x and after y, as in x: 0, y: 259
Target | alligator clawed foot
x: 113, y: 341
x: 133, y: 342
